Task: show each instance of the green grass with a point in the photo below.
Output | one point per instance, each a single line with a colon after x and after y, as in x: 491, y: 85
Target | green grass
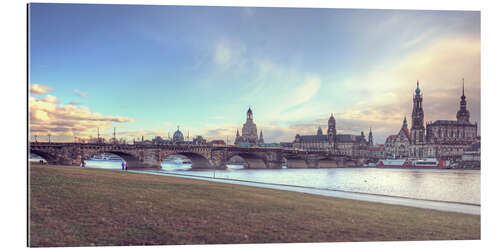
x: 71, y: 206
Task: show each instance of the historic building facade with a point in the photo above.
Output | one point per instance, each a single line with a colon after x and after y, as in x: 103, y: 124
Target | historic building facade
x: 443, y: 139
x: 249, y: 131
x: 352, y: 145
x: 398, y: 145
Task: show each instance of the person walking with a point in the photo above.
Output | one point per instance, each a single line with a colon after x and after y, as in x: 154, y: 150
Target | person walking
x: 126, y: 166
x: 123, y: 165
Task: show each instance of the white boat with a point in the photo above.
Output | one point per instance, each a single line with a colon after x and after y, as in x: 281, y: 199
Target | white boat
x: 391, y: 163
x: 428, y: 163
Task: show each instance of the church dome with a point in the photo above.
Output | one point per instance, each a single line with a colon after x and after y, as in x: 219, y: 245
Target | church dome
x: 178, y: 136
x: 320, y: 131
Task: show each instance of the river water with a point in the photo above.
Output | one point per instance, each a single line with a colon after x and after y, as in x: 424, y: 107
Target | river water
x: 458, y: 186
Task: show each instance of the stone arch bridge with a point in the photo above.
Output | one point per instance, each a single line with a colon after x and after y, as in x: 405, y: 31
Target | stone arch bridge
x: 201, y: 156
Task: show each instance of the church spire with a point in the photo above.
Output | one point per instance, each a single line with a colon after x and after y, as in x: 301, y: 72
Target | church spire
x: 463, y: 87
x: 261, y: 138
x: 370, y: 137
x: 463, y: 114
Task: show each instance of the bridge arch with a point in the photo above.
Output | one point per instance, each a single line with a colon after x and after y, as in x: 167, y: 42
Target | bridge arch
x: 252, y: 160
x: 132, y: 160
x: 50, y: 158
x: 198, y: 161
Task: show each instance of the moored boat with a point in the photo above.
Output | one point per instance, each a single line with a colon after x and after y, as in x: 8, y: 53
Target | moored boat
x: 391, y: 163
x: 428, y: 163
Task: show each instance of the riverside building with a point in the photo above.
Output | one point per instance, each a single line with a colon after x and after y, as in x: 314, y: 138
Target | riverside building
x: 352, y: 145
x: 442, y: 139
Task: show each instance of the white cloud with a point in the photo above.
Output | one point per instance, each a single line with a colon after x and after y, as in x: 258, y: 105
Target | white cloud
x: 66, y: 121
x: 39, y: 89
x: 50, y: 99
x: 229, y: 53
x: 306, y: 91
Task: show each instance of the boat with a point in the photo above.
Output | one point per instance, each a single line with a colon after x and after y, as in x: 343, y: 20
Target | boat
x: 393, y: 163
x: 412, y: 163
x: 428, y: 163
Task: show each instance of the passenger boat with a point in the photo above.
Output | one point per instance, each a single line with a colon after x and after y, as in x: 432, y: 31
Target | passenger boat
x: 393, y: 163
x: 428, y: 163
x: 412, y: 163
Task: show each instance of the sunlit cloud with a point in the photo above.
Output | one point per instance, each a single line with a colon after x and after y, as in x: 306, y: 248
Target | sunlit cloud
x: 50, y: 99
x: 46, y: 116
x: 38, y: 89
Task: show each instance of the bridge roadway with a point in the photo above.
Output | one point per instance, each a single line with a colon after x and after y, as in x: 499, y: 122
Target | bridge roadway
x: 201, y: 156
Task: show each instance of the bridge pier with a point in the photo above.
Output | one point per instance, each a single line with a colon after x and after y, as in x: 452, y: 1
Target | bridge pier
x: 327, y: 163
x: 296, y: 163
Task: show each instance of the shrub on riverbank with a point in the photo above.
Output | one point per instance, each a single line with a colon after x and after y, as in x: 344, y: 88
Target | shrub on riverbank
x: 71, y: 206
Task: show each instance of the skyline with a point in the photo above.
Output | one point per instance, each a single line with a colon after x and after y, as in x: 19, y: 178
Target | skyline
x: 131, y: 67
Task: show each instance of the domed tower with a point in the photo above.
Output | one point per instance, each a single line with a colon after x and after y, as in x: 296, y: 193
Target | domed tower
x: 332, y: 131
x: 178, y: 136
x: 417, y: 121
x: 320, y: 131
x: 463, y: 114
x: 249, y: 130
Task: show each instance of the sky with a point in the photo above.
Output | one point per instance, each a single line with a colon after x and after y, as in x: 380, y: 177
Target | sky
x: 145, y: 70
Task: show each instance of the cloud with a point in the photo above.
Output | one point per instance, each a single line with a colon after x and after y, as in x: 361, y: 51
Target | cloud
x: 80, y: 93
x: 229, y: 53
x: 50, y: 99
x: 39, y: 89
x: 74, y: 103
x: 306, y: 91
x: 66, y: 121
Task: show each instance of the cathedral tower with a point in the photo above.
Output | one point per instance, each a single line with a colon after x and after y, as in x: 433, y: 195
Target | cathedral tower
x: 370, y: 138
x: 332, y: 131
x: 463, y: 113
x: 417, y: 121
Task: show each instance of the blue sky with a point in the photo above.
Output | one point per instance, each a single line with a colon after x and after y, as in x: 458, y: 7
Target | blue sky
x: 147, y: 69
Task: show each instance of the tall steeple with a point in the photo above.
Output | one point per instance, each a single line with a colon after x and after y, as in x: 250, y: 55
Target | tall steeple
x: 405, y: 123
x: 332, y: 131
x: 463, y: 114
x: 237, y: 133
x: 249, y: 115
x: 417, y: 118
x: 370, y: 137
x: 261, y: 138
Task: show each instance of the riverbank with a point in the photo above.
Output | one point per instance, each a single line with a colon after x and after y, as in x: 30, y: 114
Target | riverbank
x: 72, y: 206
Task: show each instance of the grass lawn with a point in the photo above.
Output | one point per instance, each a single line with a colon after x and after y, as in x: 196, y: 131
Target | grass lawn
x: 72, y: 206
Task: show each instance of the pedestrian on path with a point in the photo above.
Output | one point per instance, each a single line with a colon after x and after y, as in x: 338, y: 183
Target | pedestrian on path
x: 126, y: 166
x: 123, y: 165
